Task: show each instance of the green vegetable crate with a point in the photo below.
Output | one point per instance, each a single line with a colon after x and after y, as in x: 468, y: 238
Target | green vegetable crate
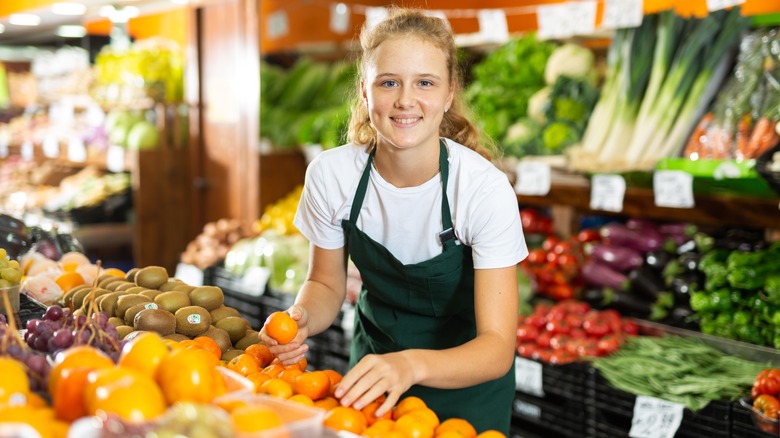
x: 610, y: 412
x: 560, y: 411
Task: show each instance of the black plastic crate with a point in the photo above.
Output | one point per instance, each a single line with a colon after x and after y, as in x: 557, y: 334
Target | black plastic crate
x: 742, y: 424
x: 525, y: 429
x: 561, y: 417
x: 333, y: 341
x: 611, y: 411
x: 235, y: 284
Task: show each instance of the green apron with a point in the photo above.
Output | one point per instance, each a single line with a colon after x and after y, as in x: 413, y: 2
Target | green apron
x: 426, y: 305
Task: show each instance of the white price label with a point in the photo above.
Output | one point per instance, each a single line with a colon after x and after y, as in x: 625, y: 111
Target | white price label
x: 716, y: 5
x: 115, y: 158
x: 189, y: 274
x: 77, y: 151
x: 51, y: 146
x: 339, y: 17
x: 564, y: 20
x: 492, y: 25
x: 607, y: 192
x: 620, y: 14
x: 528, y: 376
x: 655, y: 418
x: 256, y: 278
x: 673, y: 188
x: 278, y: 25
x: 28, y: 150
x: 533, y: 178
x: 374, y: 15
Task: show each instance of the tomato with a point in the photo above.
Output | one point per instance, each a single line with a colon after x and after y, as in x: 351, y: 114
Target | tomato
x: 767, y: 382
x: 609, y: 344
x: 575, y: 320
x: 559, y: 341
x: 587, y: 347
x: 567, y: 259
x: 527, y: 333
x: 549, y: 243
x: 560, y: 291
x: 542, y: 355
x: 578, y: 333
x: 529, y: 218
x: 562, y: 247
x: 596, y: 324
x: 767, y: 405
x: 536, y: 320
x: 558, y: 326
x: 560, y: 357
x: 588, y: 235
x: 537, y: 256
x: 527, y: 350
x: 629, y: 327
x: 543, y: 340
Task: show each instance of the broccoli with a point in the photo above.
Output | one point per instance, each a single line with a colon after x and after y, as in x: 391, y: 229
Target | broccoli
x: 556, y: 136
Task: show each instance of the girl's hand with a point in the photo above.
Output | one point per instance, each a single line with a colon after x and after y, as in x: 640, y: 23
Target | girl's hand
x: 294, y: 351
x: 389, y: 374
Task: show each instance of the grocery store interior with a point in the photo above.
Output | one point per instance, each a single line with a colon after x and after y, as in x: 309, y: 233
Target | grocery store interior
x: 153, y: 155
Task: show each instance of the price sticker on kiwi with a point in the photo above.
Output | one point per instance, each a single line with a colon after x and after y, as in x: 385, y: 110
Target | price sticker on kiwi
x: 528, y: 377
x: 193, y: 318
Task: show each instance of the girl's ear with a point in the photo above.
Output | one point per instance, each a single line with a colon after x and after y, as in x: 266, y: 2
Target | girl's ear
x: 363, y: 90
x: 451, y: 95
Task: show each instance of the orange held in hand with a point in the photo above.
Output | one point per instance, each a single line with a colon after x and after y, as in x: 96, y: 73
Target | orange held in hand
x: 281, y: 327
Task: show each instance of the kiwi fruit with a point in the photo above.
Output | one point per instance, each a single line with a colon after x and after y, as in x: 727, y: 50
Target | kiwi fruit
x: 125, y: 286
x: 250, y: 338
x: 156, y: 320
x: 178, y: 337
x: 127, y: 301
x: 151, y: 277
x: 230, y: 354
x: 85, y: 299
x: 136, y: 289
x: 219, y: 336
x: 222, y: 312
x: 123, y: 330
x: 129, y: 317
x: 109, y: 280
x: 107, y: 303
x: 169, y: 285
x: 114, y: 286
x: 192, y: 320
x: 184, y: 287
x: 78, y: 298
x: 116, y: 322
x: 67, y: 298
x: 130, y: 275
x: 132, y: 334
x: 172, y: 301
x: 235, y: 326
x: 151, y: 293
x: 208, y: 297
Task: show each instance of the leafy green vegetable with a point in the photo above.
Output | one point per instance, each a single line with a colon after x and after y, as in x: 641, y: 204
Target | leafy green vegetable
x: 558, y: 135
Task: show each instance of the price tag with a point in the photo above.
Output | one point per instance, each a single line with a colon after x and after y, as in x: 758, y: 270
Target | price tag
x: 564, y: 20
x: 278, y: 25
x: 673, y: 188
x: 115, y: 158
x: 655, y: 418
x: 256, y: 279
x: 492, y: 25
x: 622, y: 13
x: 528, y: 376
x: 533, y: 178
x: 28, y: 151
x: 189, y: 274
x: 339, y: 17
x: 607, y: 192
x: 5, y: 139
x: 51, y: 146
x: 716, y: 5
x: 77, y: 152
x: 374, y: 15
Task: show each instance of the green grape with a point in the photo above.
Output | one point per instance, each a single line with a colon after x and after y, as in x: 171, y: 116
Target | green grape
x: 3, y: 253
x: 5, y: 284
x: 14, y: 276
x: 4, y: 263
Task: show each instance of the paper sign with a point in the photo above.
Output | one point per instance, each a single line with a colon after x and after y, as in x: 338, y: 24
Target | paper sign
x: 564, y: 20
x: 374, y: 15
x: 189, y: 274
x: 533, y: 178
x: 256, y: 279
x: 51, y: 146
x: 655, y: 418
x: 115, y: 159
x: 492, y: 25
x: 77, y: 152
x: 607, y: 192
x: 528, y: 376
x: 526, y: 409
x: 278, y: 25
x: 673, y: 188
x: 339, y: 17
x: 716, y: 5
x: 620, y: 14
x: 28, y: 151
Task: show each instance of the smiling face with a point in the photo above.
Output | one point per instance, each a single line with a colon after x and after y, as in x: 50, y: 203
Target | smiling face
x: 407, y: 88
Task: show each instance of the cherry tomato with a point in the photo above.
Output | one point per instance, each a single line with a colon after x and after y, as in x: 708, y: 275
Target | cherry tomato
x: 527, y: 333
x: 537, y: 256
x: 767, y: 405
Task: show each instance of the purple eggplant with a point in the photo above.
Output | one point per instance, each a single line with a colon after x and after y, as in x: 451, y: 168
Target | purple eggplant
x: 621, y: 258
x: 678, y: 229
x: 598, y: 274
x: 641, y: 224
x: 644, y: 240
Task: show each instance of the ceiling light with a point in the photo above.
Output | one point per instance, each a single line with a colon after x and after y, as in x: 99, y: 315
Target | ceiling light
x: 68, y: 8
x: 106, y: 11
x: 24, y: 19
x: 71, y: 31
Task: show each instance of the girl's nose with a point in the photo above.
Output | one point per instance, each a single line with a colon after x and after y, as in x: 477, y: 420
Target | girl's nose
x: 405, y: 97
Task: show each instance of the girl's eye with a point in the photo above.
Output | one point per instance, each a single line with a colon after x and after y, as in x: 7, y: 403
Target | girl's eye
x: 388, y: 84
x: 426, y: 83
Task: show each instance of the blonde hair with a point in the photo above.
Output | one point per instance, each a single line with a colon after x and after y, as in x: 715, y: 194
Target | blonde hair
x: 456, y: 124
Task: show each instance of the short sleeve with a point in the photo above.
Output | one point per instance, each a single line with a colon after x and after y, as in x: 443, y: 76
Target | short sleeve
x: 316, y: 215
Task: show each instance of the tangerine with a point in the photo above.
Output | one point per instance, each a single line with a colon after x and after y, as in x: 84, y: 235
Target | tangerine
x: 302, y: 399
x: 77, y: 356
x: 244, y: 364
x: 114, y: 272
x: 188, y: 375
x: 459, y: 425
x: 258, y: 379
x: 335, y: 377
x: 68, y: 400
x: 491, y: 434
x: 406, y: 405
x: 345, y: 418
x: 281, y: 327
x: 326, y: 403
x: 276, y: 388
x: 379, y: 428
x: 315, y: 384
x: 261, y: 353
x: 14, y: 386
x: 144, y: 353
x: 414, y: 426
x: 209, y: 345
x: 124, y: 392
x: 274, y: 370
x: 290, y: 375
x: 69, y: 280
x: 370, y: 412
x: 254, y: 418
x: 426, y: 414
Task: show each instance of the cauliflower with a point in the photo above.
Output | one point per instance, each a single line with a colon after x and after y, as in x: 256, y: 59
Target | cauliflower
x: 569, y: 60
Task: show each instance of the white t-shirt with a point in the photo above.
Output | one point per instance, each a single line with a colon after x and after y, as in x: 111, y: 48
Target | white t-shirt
x: 407, y: 221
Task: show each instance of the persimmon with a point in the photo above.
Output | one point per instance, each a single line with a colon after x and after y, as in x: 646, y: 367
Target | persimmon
x: 281, y: 327
x: 261, y: 353
x: 459, y: 425
x: 315, y: 384
x: 345, y: 418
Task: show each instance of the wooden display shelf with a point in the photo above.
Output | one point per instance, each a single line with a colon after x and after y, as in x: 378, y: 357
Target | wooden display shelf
x: 718, y: 210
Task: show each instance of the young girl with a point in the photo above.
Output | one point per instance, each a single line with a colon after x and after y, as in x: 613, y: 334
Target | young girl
x: 433, y: 228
